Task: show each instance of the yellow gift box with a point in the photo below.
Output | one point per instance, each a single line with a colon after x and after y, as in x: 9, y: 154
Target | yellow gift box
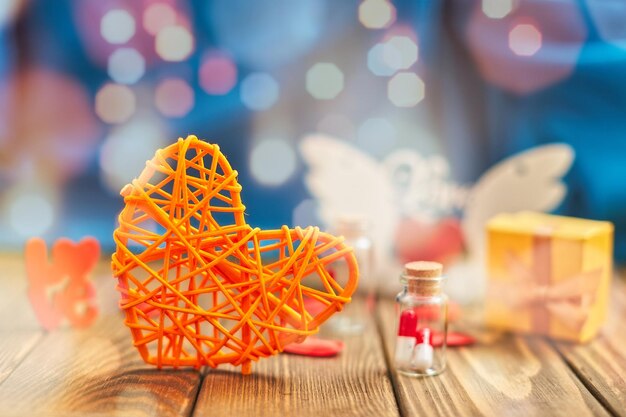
x: 548, y: 274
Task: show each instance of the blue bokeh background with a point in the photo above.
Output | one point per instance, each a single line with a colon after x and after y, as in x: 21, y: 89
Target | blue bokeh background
x: 468, y: 116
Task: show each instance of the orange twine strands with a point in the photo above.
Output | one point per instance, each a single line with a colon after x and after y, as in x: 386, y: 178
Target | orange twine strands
x: 199, y: 285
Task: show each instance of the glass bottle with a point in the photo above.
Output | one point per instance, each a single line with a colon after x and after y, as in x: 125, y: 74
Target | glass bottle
x: 422, y: 322
x: 354, y: 230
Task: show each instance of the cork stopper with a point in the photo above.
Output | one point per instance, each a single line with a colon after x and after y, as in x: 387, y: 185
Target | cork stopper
x: 423, y: 269
x: 423, y: 278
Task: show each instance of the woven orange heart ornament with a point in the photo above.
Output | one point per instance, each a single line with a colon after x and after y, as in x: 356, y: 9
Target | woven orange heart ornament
x: 199, y: 285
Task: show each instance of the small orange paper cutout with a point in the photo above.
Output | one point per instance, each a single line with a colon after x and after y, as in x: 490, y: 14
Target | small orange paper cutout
x: 61, y: 288
x: 199, y: 285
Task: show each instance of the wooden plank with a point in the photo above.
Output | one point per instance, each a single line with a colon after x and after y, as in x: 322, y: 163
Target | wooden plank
x: 15, y: 310
x: 355, y: 383
x: 503, y: 375
x: 19, y: 329
x: 95, y: 371
x: 601, y: 364
x: 14, y: 348
x: 19, y: 332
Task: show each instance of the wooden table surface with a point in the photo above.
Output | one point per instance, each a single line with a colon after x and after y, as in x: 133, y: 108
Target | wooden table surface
x: 97, y: 372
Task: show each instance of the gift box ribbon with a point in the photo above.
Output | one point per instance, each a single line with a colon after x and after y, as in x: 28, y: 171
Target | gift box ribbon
x: 568, y: 300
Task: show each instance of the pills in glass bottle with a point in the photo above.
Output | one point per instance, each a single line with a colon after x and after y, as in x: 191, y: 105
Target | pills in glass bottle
x: 422, y: 321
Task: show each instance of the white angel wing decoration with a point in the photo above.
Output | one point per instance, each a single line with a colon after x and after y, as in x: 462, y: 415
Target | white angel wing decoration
x: 346, y: 181
x: 399, y: 195
x: 343, y: 178
x: 530, y: 180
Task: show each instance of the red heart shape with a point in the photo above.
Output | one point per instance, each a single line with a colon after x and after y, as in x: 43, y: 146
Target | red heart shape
x: 441, y: 242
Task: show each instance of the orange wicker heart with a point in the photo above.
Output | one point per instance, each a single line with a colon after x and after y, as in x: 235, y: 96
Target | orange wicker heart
x: 199, y: 285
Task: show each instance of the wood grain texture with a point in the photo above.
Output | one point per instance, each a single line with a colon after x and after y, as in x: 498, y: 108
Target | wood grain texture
x: 95, y: 371
x: 355, y: 383
x: 14, y: 347
x: 15, y: 310
x: 507, y: 375
x: 601, y: 364
x: 19, y: 331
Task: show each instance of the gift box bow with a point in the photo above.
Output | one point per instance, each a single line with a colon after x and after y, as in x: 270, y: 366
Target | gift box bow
x: 568, y: 300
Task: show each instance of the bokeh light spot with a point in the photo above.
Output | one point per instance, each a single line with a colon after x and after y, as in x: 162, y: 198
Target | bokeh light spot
x: 405, y: 89
x: 535, y: 46
x: 31, y: 214
x: 497, y: 9
x: 376, y: 135
x: 377, y: 63
x: 117, y: 26
x: 525, y: 39
x: 400, y: 52
x: 305, y: 213
x: 376, y: 14
x: 608, y: 17
x: 115, y: 103
x: 157, y: 17
x: 272, y: 162
x: 324, y: 81
x: 8, y: 9
x: 218, y: 74
x: 259, y: 91
x: 174, y: 97
x: 126, y: 66
x: 265, y: 34
x: 174, y: 43
x: 126, y: 150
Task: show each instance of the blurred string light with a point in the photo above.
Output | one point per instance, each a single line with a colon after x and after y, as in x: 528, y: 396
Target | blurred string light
x: 115, y: 103
x: 126, y: 66
x: 174, y: 97
x: 126, y: 150
x: 305, y: 213
x: 376, y: 135
x: 397, y: 53
x: 608, y: 18
x: 525, y: 39
x: 50, y: 130
x: 497, y: 9
x: 103, y: 26
x: 157, y: 17
x: 534, y: 46
x: 337, y: 125
x: 117, y: 26
x: 272, y: 162
x: 400, y: 52
x: 174, y: 43
x: 8, y: 9
x: 376, y: 14
x: 264, y: 34
x: 259, y: 91
x: 30, y: 210
x: 324, y: 81
x: 218, y: 73
x: 376, y: 60
x: 405, y: 89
